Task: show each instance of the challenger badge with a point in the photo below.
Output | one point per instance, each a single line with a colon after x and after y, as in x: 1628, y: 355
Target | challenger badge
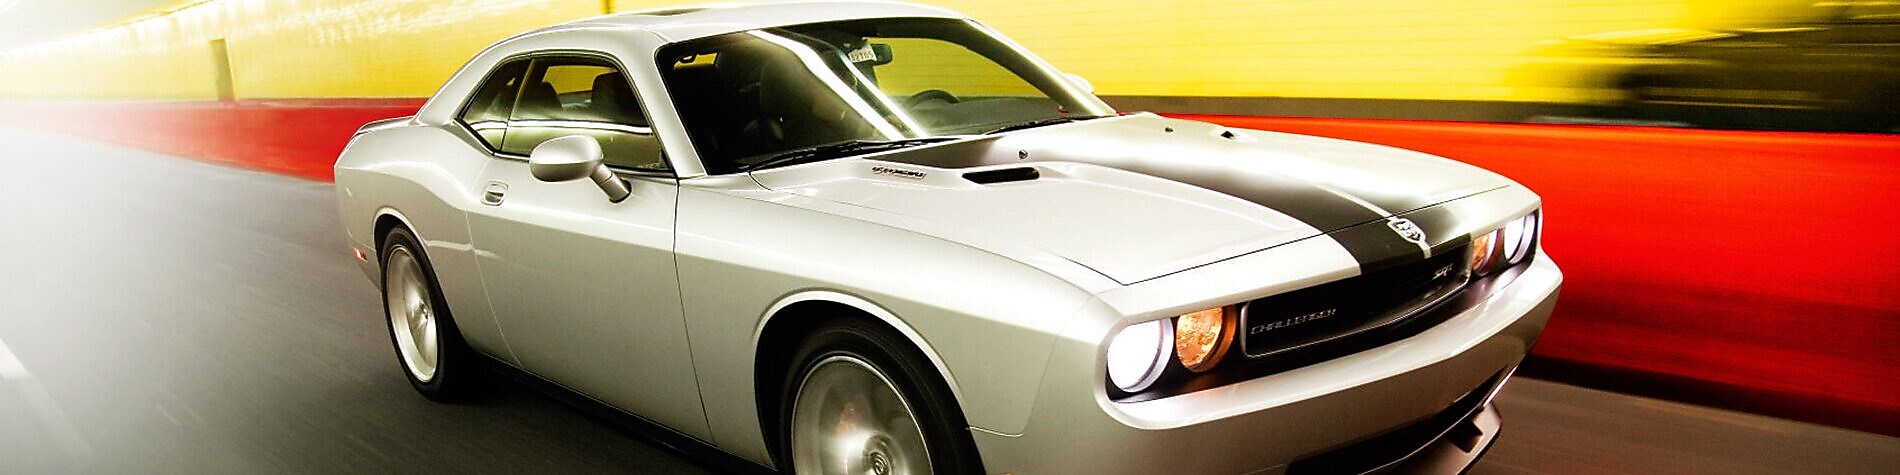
x: 1263, y: 328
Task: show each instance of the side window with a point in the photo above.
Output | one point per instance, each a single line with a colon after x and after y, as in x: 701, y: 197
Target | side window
x: 487, y: 111
x: 583, y: 96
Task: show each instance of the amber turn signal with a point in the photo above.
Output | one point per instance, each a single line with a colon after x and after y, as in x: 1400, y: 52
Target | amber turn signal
x: 1201, y: 338
x: 1484, y: 252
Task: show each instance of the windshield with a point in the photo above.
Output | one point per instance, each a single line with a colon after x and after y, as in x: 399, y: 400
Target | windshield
x: 750, y: 96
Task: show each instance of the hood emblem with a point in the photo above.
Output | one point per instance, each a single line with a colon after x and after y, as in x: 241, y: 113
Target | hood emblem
x: 1407, y: 230
x: 898, y: 172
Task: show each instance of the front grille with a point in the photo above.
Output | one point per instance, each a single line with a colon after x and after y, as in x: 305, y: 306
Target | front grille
x: 1336, y: 310
x: 1391, y: 302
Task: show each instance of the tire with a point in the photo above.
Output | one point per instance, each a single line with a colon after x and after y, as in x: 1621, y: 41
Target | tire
x: 860, y: 384
x: 429, y: 347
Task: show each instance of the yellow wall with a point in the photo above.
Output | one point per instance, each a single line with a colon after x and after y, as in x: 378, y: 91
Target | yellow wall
x: 1421, y: 49
x: 278, y: 49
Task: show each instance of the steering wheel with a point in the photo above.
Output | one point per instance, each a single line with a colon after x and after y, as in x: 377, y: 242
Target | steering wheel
x: 930, y: 95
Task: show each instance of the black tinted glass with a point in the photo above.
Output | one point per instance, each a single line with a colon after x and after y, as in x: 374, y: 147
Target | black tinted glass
x: 565, y: 96
x: 487, y: 111
x: 750, y: 96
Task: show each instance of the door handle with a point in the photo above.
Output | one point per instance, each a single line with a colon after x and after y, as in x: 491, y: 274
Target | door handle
x: 492, y: 194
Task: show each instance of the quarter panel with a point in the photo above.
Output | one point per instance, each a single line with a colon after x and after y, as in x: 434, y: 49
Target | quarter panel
x: 424, y: 175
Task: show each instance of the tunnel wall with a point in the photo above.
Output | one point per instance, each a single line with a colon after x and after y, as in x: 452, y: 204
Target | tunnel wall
x: 1477, y: 50
x: 1741, y: 269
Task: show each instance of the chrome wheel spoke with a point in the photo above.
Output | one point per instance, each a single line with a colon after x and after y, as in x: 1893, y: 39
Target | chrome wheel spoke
x: 412, y: 301
x: 426, y: 342
x: 849, y: 418
x: 411, y: 318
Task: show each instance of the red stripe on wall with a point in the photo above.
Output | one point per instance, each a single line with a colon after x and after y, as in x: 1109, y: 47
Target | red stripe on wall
x: 297, y: 137
x: 1755, y: 266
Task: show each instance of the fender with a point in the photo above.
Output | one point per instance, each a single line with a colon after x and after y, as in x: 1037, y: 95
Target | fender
x: 375, y: 264
x: 867, y: 307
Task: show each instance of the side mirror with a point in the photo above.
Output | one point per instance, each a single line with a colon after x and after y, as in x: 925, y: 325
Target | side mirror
x: 574, y: 157
x: 1081, y: 82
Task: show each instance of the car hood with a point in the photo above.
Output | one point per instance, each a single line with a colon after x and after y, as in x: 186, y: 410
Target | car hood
x: 1138, y: 197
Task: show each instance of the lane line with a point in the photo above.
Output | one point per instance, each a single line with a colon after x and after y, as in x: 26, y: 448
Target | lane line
x: 10, y: 367
x: 70, y: 442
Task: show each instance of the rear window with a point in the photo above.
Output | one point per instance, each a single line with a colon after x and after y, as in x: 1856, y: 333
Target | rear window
x: 487, y: 111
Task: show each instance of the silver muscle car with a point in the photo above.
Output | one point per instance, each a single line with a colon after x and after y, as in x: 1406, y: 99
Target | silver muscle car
x: 882, y: 238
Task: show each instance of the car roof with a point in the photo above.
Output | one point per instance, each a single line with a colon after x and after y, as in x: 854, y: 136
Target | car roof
x: 682, y: 23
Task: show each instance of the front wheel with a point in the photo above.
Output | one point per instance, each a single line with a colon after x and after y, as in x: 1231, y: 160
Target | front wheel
x: 863, y: 402
x: 427, y: 343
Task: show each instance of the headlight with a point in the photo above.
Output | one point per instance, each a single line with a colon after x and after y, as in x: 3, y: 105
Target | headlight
x: 1518, y: 236
x: 1200, y: 338
x: 1139, y: 353
x: 1504, y: 246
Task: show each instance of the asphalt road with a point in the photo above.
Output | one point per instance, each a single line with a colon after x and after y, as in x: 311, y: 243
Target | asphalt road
x: 159, y: 315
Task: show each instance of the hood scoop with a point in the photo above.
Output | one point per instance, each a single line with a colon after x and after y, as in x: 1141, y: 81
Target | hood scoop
x: 1003, y: 175
x: 1231, y: 135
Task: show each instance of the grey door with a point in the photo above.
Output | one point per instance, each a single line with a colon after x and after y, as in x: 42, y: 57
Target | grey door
x: 585, y: 289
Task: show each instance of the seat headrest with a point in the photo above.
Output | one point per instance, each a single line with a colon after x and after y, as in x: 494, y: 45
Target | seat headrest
x: 614, y: 100
x: 539, y: 101
x: 786, y: 88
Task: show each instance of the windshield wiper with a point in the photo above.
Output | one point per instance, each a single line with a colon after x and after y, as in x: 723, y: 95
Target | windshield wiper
x: 1035, y: 123
x: 835, y: 150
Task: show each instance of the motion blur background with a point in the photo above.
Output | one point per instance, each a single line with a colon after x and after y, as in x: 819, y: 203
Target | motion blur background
x: 1716, y: 173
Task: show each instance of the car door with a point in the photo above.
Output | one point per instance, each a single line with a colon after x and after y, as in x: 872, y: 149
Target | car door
x: 584, y: 289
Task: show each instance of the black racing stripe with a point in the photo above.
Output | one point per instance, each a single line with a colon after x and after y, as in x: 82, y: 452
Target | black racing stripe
x: 1387, y: 199
x: 1315, y: 206
x: 1443, y: 230
x: 1361, y: 230
x: 1376, y: 246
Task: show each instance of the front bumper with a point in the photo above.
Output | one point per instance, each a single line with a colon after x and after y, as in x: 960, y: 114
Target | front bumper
x: 1285, y: 422
x: 1455, y: 452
